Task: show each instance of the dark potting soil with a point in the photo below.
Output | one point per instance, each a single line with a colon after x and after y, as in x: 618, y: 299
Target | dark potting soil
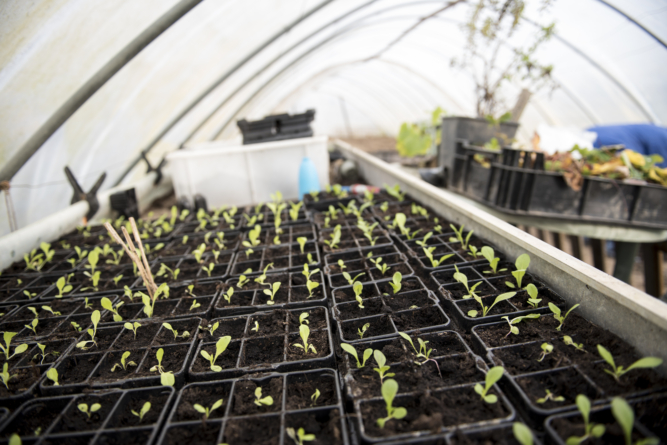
x: 75, y: 420
x: 525, y: 358
x: 634, y: 381
x: 446, y: 408
x: 131, y: 437
x: 204, y: 396
x: 269, y: 324
x: 244, y: 396
x: 567, y: 427
x: 299, y: 393
x: 324, y: 425
x: 501, y: 283
x: 347, y: 294
x: 233, y: 327
x: 123, y: 417
x: 349, y: 311
x: 652, y: 413
x: 503, y: 436
x: 104, y: 372
x: 145, y: 334
x: 76, y: 369
x: 172, y: 360
x: 318, y: 339
x: 35, y: 420
x: 378, y: 326
x: 204, y: 433
x: 458, y: 291
x: 407, y: 285
x: 419, y: 298
x: 302, y: 294
x: 104, y: 337
x: 567, y: 383
x: 502, y: 307
x: 419, y: 318
x: 253, y: 430
x: 25, y: 378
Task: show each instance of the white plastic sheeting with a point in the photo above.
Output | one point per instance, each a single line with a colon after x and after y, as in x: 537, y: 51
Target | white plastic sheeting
x: 336, y: 60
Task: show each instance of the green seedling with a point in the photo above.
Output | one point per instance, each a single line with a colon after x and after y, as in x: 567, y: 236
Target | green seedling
x: 300, y: 436
x: 489, y: 255
x: 302, y: 242
x: 108, y: 305
x: 362, y: 330
x: 532, y: 294
x: 463, y: 279
x: 256, y: 328
x: 395, y: 191
x: 569, y: 342
x: 123, y: 362
x: 189, y: 291
x: 251, y: 221
x: 211, y: 328
x: 52, y: 374
x: 521, y: 265
x: 310, y: 285
x: 207, y: 411
x: 33, y: 325
x: 303, y: 318
x: 459, y: 236
x: 558, y: 314
x: 20, y: 349
x: 253, y: 238
x: 513, y: 329
x: 86, y: 304
x: 185, y: 239
x: 423, y: 352
x: 34, y: 311
x: 144, y: 410
x: 382, y: 368
x: 367, y: 230
x: 44, y: 353
x: 618, y: 371
x: 94, y: 280
x: 199, y: 252
x: 149, y: 304
x: 382, y: 267
x: 351, y: 280
x: 95, y: 319
x: 29, y: 294
x: 5, y: 376
x: 315, y: 396
x: 389, y: 391
x: 547, y: 349
x: 166, y: 377
x: 272, y: 291
x: 83, y: 407
x: 220, y: 347
x: 132, y: 327
x: 492, y: 377
x: 208, y: 269
x: 384, y: 206
x: 76, y: 326
x: 48, y: 309
x: 195, y: 305
x: 591, y: 430
x: 335, y: 238
x: 311, y: 261
x: 472, y: 251
x: 93, y: 259
x: 358, y: 288
x: 63, y: 287
x: 185, y: 334
x: 428, y: 251
x: 625, y: 417
x: 304, y: 333
x: 262, y: 401
x: 353, y: 352
x: 486, y: 309
x: 424, y: 241
x: 117, y: 278
x: 228, y: 295
x: 550, y: 396
x: 276, y: 240
x: 395, y: 282
x: 294, y: 210
x: 522, y: 433
x: 166, y: 271
x: 314, y: 195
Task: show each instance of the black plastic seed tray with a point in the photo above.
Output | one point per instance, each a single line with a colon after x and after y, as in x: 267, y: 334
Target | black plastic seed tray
x: 284, y: 257
x: 370, y: 265
x: 29, y: 367
x: 231, y: 241
x: 324, y: 200
x: 460, y: 370
x: 219, y: 224
x: 452, y: 293
x: 239, y: 419
x: 58, y: 420
x: 413, y: 308
x: 91, y: 368
x: 566, y: 371
x: 322, y: 218
x: 269, y: 348
x: 353, y: 238
x: 287, y: 235
x: 649, y: 411
x: 190, y: 270
x: 444, y: 245
x: 264, y: 217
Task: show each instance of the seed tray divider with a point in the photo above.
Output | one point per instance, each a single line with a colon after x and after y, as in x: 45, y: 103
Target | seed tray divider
x: 263, y: 256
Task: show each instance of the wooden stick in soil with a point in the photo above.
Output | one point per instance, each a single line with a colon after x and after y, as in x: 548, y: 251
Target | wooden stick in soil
x: 142, y: 264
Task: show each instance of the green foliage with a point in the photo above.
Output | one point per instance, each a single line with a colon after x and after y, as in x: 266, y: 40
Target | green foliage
x: 625, y: 417
x: 413, y: 140
x: 591, y: 430
x: 486, y: 309
x: 206, y: 411
x: 220, y: 347
x: 513, y: 329
x: 395, y: 282
x: 83, y: 407
x: 7, y: 337
x: 389, y: 391
x: 262, y: 401
x: 358, y: 288
x: 459, y: 236
x: 618, y: 371
x: 522, y: 433
x: 558, y: 315
x: 362, y: 331
x: 300, y: 436
x: 271, y: 292
x: 429, y: 254
x: 304, y: 333
x: 382, y: 368
x: 353, y: 352
x: 521, y: 264
x: 144, y: 410
x: 492, y: 377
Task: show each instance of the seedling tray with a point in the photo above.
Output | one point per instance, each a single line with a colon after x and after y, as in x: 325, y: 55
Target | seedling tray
x: 293, y: 294
x: 387, y: 314
x: 29, y: 370
x: 58, y: 419
x: 647, y: 409
x: 320, y: 217
x: 566, y: 371
x: 57, y: 264
x: 289, y: 235
x: 178, y: 305
x: 356, y: 263
x: 451, y: 296
x: 270, y: 349
x: 283, y: 257
x: 267, y: 218
x: 240, y: 420
x: 231, y: 242
x: 326, y: 199
x: 444, y: 246
x: 190, y: 270
x: 435, y: 406
x: 81, y: 369
x: 53, y: 326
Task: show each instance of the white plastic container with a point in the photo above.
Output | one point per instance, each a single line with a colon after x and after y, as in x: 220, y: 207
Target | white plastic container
x: 246, y: 174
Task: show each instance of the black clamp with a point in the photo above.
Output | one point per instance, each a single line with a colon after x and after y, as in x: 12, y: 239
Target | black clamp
x: 157, y: 169
x: 90, y: 196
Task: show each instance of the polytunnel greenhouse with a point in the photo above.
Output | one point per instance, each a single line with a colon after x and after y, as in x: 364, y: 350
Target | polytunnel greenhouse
x: 333, y: 222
